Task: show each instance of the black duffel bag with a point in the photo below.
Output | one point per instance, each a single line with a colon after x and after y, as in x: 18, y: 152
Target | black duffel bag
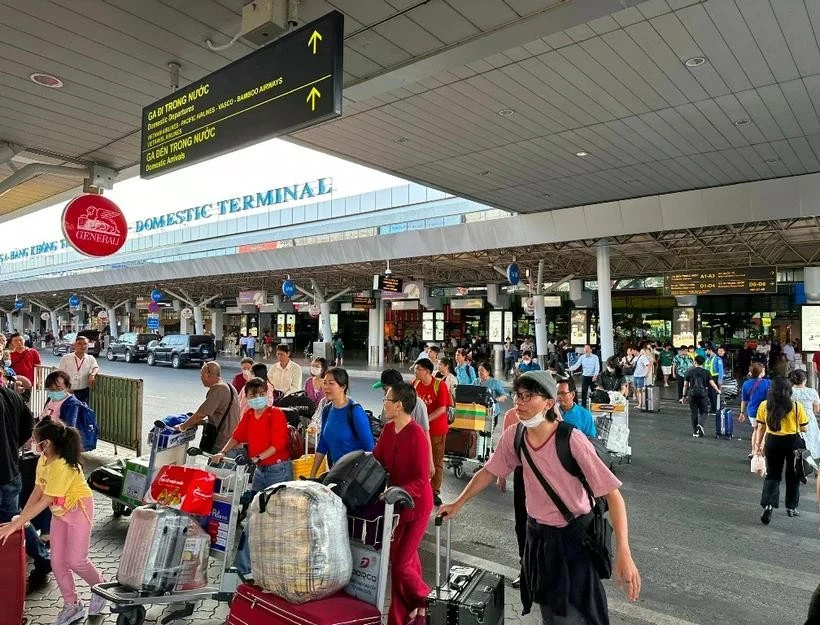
x: 473, y: 394
x: 357, y: 478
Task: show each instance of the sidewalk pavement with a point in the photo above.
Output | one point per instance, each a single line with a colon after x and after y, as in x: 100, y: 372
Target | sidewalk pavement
x: 107, y: 540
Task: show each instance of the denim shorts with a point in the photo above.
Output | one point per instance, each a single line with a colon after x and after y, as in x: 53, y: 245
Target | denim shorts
x: 640, y: 381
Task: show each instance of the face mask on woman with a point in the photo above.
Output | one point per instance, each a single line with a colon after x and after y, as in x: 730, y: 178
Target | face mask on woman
x: 56, y: 395
x: 258, y: 403
x: 315, y: 371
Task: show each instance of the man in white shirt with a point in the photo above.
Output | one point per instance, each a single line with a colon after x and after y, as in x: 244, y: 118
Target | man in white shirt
x: 789, y: 353
x: 81, y: 367
x: 285, y: 376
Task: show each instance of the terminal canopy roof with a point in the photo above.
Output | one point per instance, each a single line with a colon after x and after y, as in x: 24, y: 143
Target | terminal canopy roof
x: 526, y: 105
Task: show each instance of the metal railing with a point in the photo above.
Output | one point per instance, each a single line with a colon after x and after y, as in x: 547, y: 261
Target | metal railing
x: 117, y: 402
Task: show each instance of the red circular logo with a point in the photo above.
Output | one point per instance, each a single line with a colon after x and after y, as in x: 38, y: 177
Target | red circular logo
x: 94, y: 225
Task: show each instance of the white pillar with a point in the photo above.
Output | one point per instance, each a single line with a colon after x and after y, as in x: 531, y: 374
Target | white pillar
x: 55, y: 326
x: 21, y: 322
x: 10, y: 321
x: 324, y: 322
x: 373, y: 336
x: 112, y: 322
x: 198, y: 323
x: 541, y: 319
x: 183, y: 325
x: 605, y: 334
x: 216, y: 324
x: 380, y: 354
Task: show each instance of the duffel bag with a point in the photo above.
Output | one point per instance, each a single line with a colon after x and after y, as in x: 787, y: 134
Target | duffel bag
x: 473, y: 394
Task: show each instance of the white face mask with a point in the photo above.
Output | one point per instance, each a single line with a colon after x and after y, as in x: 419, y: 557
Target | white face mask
x: 533, y: 422
x: 315, y: 371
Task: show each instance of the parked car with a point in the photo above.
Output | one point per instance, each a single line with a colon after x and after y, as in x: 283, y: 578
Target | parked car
x: 180, y: 349
x: 132, y: 346
x: 65, y: 344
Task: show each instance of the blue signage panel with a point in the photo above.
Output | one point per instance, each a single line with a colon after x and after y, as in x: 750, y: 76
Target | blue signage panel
x: 156, y: 295
x: 74, y: 301
x: 18, y: 304
x: 152, y: 323
x: 288, y: 288
x: 513, y: 273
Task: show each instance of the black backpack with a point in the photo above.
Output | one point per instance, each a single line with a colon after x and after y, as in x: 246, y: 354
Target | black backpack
x: 698, y: 389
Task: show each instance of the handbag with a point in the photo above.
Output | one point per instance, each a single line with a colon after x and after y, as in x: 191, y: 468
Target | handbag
x: 210, y: 432
x: 594, y: 527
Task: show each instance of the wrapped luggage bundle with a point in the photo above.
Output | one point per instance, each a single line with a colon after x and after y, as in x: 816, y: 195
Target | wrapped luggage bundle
x: 300, y: 548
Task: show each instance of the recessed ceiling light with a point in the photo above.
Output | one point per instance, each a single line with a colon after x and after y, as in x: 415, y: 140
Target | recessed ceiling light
x: 631, y: 181
x: 695, y: 61
x: 486, y: 172
x: 402, y: 140
x: 46, y: 80
x: 506, y: 112
x: 546, y: 195
x: 771, y: 160
x: 582, y: 153
x: 742, y: 122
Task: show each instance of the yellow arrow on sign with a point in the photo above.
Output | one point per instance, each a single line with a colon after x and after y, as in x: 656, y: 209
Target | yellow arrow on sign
x: 314, y: 39
x: 314, y: 93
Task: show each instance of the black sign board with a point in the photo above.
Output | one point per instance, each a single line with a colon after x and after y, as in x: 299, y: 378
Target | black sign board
x: 289, y: 84
x: 721, y: 281
x: 363, y: 303
x: 387, y: 283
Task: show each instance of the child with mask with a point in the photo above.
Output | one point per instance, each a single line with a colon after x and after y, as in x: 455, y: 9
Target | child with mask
x: 61, y: 404
x: 264, y: 429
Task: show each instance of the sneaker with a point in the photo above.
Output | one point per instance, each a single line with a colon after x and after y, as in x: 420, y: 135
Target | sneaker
x: 701, y: 433
x: 766, y: 517
x: 71, y: 613
x: 97, y: 605
x: 37, y: 580
x: 792, y: 512
x: 695, y: 435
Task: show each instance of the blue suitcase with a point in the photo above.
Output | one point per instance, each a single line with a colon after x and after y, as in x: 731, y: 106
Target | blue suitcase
x: 724, y: 423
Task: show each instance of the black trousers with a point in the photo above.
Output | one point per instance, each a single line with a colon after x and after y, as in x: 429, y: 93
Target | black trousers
x: 680, y: 388
x: 779, y: 451
x: 713, y: 396
x: 82, y: 394
x: 586, y: 384
x: 697, y: 406
x: 520, y: 503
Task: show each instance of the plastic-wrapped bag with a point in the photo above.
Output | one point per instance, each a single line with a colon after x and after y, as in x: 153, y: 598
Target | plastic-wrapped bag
x: 194, y: 572
x: 299, y: 543
x: 758, y: 465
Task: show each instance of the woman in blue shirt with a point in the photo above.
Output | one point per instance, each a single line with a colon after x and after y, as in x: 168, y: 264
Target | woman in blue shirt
x: 465, y: 374
x: 752, y: 394
x: 345, y: 426
x: 499, y: 393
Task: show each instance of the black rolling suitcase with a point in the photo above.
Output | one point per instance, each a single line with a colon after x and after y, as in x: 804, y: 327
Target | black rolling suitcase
x: 469, y: 596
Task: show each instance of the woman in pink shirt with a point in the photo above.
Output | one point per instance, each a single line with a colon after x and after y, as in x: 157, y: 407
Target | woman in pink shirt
x: 558, y: 573
x: 314, y: 385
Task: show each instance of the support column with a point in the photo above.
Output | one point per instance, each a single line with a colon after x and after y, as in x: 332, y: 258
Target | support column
x: 112, y: 322
x: 373, y: 336
x: 324, y: 322
x: 380, y: 339
x: 10, y: 321
x: 605, y: 333
x: 183, y: 325
x: 198, y: 323
x: 216, y: 324
x: 55, y: 325
x: 541, y: 319
x: 21, y: 322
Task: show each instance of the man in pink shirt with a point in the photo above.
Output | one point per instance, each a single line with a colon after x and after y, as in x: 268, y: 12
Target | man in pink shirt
x: 558, y: 573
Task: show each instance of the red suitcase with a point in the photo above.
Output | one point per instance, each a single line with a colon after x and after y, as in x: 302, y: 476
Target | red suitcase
x: 253, y: 606
x: 12, y: 579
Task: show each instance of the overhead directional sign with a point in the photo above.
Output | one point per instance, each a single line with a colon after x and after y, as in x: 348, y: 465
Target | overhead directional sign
x: 290, y: 84
x: 721, y: 281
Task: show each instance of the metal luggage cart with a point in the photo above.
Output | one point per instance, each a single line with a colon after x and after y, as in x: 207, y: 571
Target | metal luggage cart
x: 232, y: 481
x: 372, y: 563
x: 165, y: 449
x: 484, y: 447
x: 612, y: 424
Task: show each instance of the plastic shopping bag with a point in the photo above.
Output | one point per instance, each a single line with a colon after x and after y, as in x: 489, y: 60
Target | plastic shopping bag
x: 758, y: 465
x: 183, y: 488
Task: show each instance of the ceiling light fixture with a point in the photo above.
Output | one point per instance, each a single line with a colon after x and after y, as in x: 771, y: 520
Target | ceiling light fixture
x: 582, y: 153
x: 46, y: 80
x: 742, y: 122
x: 486, y: 172
x: 695, y: 61
x: 402, y: 140
x: 506, y: 112
x: 771, y: 160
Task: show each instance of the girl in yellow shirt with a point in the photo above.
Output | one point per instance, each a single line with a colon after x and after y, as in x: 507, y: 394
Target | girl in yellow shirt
x: 61, y: 487
x: 783, y: 419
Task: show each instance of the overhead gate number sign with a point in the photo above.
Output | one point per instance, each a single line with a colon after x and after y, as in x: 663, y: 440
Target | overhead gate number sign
x: 289, y: 84
x: 721, y: 282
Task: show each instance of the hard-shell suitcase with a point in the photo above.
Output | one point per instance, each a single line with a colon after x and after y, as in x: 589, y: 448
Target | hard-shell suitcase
x: 253, y: 606
x: 461, y: 443
x: 12, y: 579
x: 357, y: 478
x: 473, y: 394
x: 152, y: 554
x: 653, y: 399
x: 724, y: 423
x: 469, y: 596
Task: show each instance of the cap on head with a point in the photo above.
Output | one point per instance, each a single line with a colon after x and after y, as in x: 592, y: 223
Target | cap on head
x: 388, y: 378
x: 545, y: 380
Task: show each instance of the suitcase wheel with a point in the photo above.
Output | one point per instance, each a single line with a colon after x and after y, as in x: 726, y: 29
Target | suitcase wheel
x: 134, y: 616
x: 458, y: 471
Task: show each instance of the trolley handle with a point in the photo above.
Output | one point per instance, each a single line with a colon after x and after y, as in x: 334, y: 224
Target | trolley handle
x: 230, y: 462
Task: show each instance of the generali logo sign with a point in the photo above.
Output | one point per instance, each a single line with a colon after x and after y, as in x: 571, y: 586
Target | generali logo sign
x: 94, y: 225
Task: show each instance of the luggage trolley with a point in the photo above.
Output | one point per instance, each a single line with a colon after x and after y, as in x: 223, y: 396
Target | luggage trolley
x: 612, y: 424
x: 470, y: 439
x: 370, y: 537
x: 232, y: 481
x: 167, y: 447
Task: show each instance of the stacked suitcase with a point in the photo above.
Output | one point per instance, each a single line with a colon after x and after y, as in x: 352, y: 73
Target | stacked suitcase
x: 12, y: 579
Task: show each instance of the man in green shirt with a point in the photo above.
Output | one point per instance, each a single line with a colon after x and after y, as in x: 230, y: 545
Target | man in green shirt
x: 666, y: 357
x: 680, y: 365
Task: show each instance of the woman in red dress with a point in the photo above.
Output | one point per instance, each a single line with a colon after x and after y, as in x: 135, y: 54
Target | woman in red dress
x: 403, y: 451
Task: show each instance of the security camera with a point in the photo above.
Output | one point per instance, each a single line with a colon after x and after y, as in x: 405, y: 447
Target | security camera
x: 388, y: 272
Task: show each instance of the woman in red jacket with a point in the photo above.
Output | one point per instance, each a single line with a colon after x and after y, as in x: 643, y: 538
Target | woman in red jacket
x: 403, y: 451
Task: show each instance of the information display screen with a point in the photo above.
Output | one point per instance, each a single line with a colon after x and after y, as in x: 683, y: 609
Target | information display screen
x: 721, y: 282
x: 810, y: 328
x: 289, y: 84
x: 683, y: 326
x: 387, y: 283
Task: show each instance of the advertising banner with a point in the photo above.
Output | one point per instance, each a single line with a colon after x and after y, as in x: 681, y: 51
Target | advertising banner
x: 578, y: 327
x: 810, y: 328
x: 683, y: 326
